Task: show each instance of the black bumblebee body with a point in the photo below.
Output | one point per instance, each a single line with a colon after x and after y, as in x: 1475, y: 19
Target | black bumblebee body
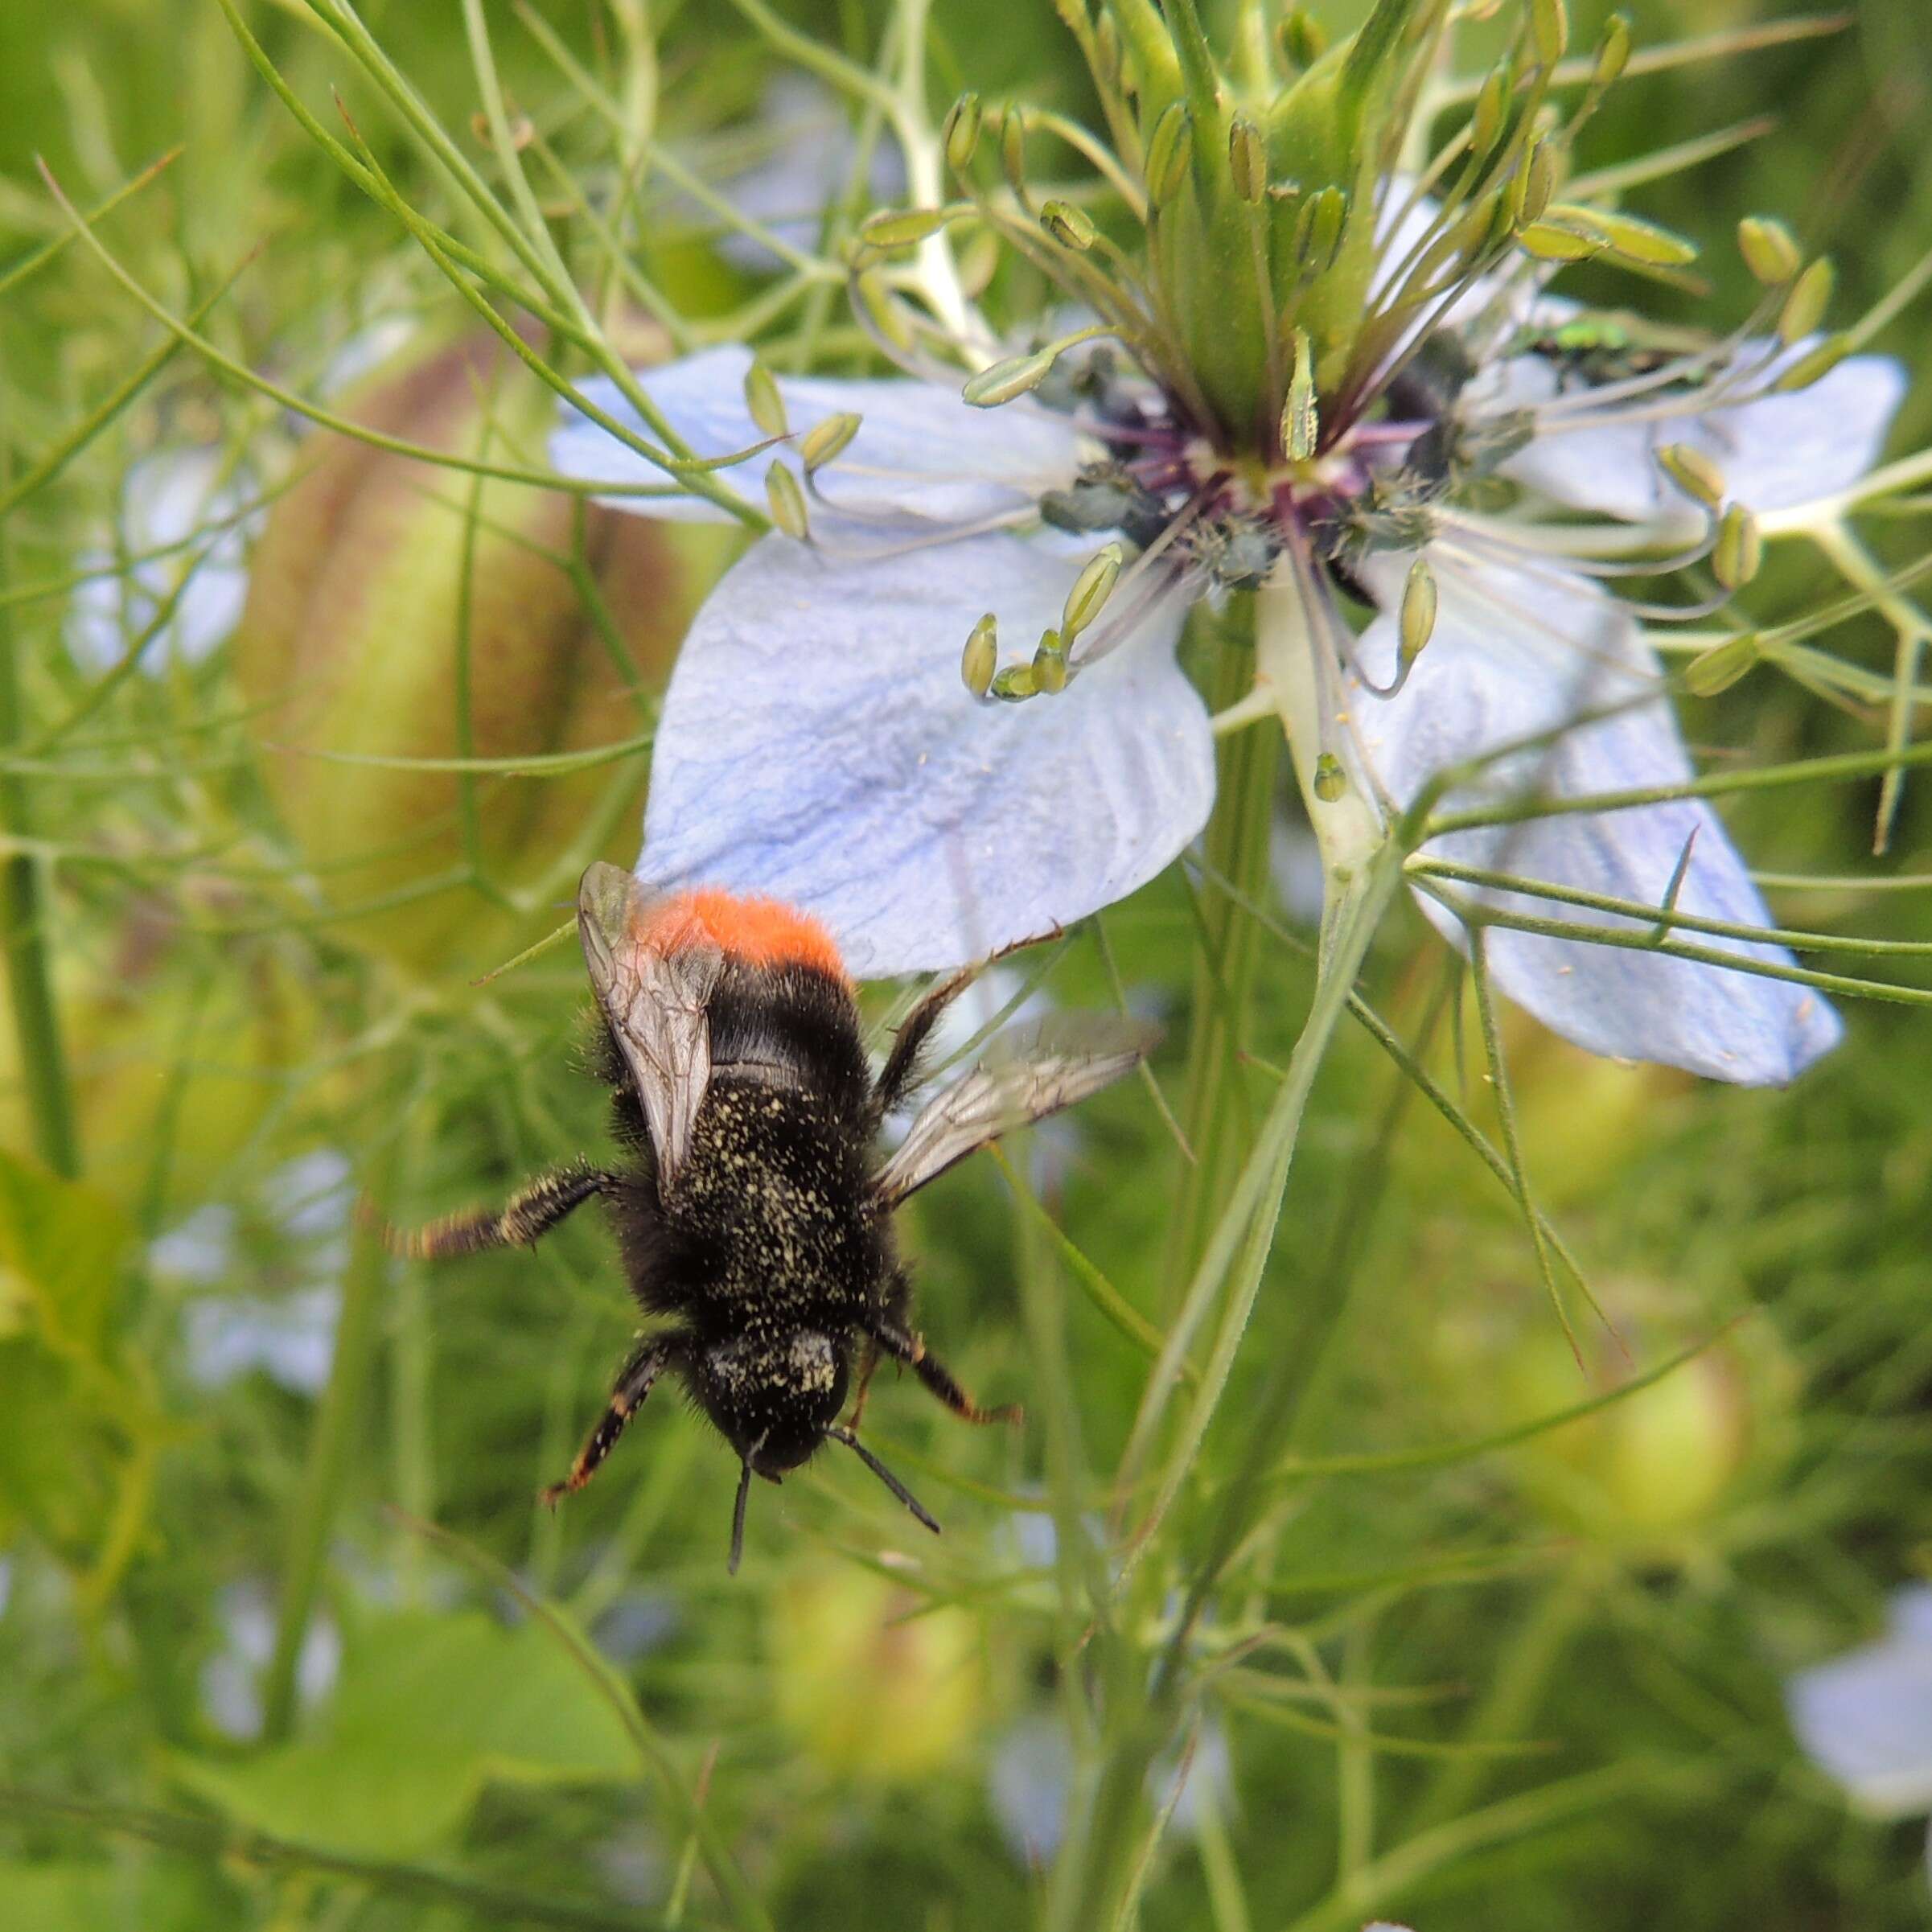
x: 751, y: 1217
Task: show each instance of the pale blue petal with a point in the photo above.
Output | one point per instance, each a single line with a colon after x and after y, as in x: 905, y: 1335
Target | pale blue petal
x: 1775, y: 453
x: 922, y: 455
x: 1866, y: 1717
x: 818, y: 745
x: 1514, y: 656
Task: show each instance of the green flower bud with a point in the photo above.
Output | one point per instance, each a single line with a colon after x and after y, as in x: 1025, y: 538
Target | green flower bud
x: 1804, y: 308
x: 1169, y: 153
x: 1769, y: 251
x: 351, y: 642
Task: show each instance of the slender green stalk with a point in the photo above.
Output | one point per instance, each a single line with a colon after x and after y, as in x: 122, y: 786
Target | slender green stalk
x: 1097, y: 1867
x: 23, y: 933
x: 325, y: 1476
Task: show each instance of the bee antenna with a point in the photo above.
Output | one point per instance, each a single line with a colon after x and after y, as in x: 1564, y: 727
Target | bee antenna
x: 884, y: 1475
x: 737, y: 1517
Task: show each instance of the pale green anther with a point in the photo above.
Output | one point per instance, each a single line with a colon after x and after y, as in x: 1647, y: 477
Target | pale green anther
x: 762, y: 399
x: 1304, y: 39
x: 1805, y: 307
x: 1013, y: 149
x: 1330, y: 782
x: 1301, y: 419
x: 826, y: 440
x: 901, y: 227
x: 1091, y: 590
x: 1418, y: 620
x: 1769, y: 251
x: 786, y: 500
x: 961, y: 132
x: 1486, y: 120
x: 1548, y: 241
x: 1639, y: 241
x: 1006, y: 380
x: 1549, y: 31
x: 1740, y: 548
x: 1613, y: 51
x: 1072, y: 227
x: 1049, y: 663
x: 1318, y: 232
x: 1169, y: 150
x: 1693, y: 472
x: 1721, y: 667
x: 1248, y: 159
x: 887, y: 315
x: 982, y: 657
x: 1821, y: 361
x: 1538, y: 176
x: 1014, y: 684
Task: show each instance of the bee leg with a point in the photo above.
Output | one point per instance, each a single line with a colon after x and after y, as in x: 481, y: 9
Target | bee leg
x: 533, y: 1210
x: 901, y: 1073
x: 633, y: 1384
x: 868, y: 1363
x: 903, y: 1345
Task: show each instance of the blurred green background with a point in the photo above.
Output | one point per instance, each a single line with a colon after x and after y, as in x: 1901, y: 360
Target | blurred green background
x: 243, y: 1683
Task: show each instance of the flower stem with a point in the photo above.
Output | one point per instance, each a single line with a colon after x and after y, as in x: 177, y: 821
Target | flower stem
x: 1237, y: 847
x: 23, y: 936
x: 1092, y: 1885
x: 326, y: 1473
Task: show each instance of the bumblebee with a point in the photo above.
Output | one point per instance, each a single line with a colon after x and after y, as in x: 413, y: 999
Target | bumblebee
x: 751, y: 1216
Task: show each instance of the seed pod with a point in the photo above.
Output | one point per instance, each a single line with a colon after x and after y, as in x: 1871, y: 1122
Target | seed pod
x: 353, y: 641
x: 1804, y: 308
x: 825, y: 441
x: 762, y: 399
x: 1740, y: 548
x: 1419, y: 602
x: 1169, y: 153
x: 1769, y: 251
x: 1693, y: 472
x: 1006, y: 380
x: 1091, y: 590
x: 1072, y: 227
x: 1721, y: 667
x: 982, y: 657
x: 960, y: 134
x: 1247, y: 159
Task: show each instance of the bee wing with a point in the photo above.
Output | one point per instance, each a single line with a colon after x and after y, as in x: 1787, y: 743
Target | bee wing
x: 1026, y: 1076
x: 655, y: 1001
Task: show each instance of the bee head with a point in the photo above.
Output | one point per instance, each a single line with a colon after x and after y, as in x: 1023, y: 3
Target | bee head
x: 773, y: 1398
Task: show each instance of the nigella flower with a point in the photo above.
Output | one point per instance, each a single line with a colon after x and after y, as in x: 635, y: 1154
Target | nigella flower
x: 1866, y: 1717
x: 1320, y: 387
